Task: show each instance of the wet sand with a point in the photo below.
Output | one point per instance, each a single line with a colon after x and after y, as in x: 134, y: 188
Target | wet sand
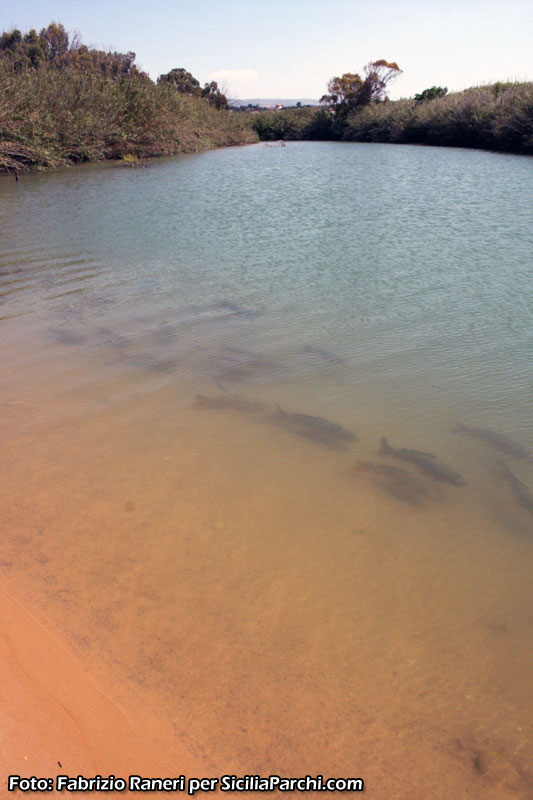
x: 57, y: 718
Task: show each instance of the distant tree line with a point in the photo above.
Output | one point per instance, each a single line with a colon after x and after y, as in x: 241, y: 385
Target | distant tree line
x: 63, y: 102
x: 356, y: 108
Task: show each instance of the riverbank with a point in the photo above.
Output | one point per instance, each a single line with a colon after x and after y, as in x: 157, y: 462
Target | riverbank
x: 58, y: 718
x: 64, y: 103
x: 496, y: 117
x: 53, y: 118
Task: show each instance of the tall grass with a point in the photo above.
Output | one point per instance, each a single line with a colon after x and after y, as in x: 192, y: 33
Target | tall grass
x: 495, y: 117
x: 293, y: 123
x: 51, y: 116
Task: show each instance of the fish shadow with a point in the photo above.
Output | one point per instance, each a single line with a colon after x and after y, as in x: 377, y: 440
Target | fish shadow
x: 399, y: 483
x: 239, y: 365
x: 315, y: 429
x: 63, y: 336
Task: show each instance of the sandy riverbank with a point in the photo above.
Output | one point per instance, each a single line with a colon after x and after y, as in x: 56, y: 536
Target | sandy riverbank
x: 56, y: 718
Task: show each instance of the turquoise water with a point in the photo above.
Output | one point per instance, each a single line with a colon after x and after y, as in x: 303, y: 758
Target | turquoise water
x: 414, y: 263
x: 384, y: 288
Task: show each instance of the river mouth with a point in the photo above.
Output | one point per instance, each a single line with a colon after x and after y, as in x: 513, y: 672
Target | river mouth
x: 197, y: 375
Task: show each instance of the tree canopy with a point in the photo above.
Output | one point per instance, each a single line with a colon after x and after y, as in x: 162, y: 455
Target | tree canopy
x: 53, y: 47
x: 431, y: 94
x: 351, y: 91
x: 184, y: 82
x: 214, y: 95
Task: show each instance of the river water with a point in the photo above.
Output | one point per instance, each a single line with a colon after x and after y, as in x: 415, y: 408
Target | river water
x: 259, y: 579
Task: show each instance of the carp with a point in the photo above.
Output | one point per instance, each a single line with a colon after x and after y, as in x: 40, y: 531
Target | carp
x: 427, y: 463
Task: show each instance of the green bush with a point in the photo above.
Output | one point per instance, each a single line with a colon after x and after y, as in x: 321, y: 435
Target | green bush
x: 85, y: 105
x: 483, y: 117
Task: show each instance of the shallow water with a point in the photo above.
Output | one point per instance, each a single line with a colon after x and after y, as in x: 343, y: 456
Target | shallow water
x: 233, y: 571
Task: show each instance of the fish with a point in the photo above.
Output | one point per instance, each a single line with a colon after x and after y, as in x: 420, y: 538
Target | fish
x: 239, y: 373
x: 317, y: 429
x: 427, y: 463
x: 217, y: 312
x: 65, y: 337
x: 238, y: 365
x: 326, y: 355
x: 150, y: 362
x: 236, y: 310
x: 519, y: 490
x: 395, y: 481
x: 111, y: 338
x: 497, y: 440
x: 164, y: 334
x: 229, y: 401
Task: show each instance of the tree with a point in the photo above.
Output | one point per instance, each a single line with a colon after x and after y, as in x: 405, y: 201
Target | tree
x: 36, y: 48
x: 351, y: 91
x: 215, y: 96
x: 53, y: 46
x: 431, y: 94
x: 182, y: 81
x: 57, y: 39
x: 10, y: 40
x: 30, y: 50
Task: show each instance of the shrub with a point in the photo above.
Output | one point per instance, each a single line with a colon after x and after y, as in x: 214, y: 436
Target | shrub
x: 75, y: 104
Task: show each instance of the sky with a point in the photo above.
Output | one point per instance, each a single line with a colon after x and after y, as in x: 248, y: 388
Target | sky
x: 291, y: 48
